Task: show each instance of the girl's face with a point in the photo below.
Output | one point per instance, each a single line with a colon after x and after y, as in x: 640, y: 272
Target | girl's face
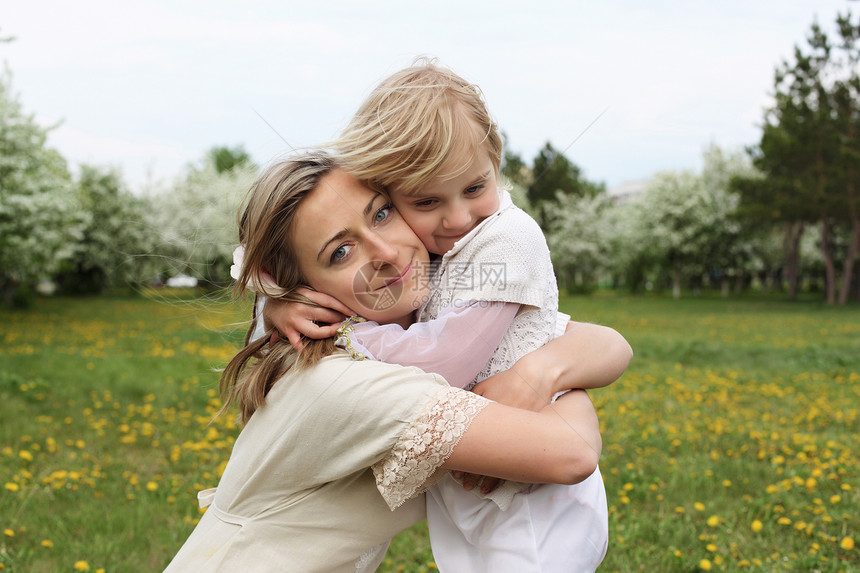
x: 447, y: 208
x: 352, y: 244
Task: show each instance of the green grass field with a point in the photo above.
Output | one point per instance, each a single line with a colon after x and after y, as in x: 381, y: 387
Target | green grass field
x: 731, y: 444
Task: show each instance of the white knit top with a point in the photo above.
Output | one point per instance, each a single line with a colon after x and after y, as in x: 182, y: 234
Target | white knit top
x: 505, y: 258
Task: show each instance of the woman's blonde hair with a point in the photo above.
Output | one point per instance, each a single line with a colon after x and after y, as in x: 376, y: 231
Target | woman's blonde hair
x: 406, y: 130
x: 266, y: 233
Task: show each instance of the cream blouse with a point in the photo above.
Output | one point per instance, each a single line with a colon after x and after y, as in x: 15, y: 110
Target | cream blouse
x: 301, y: 491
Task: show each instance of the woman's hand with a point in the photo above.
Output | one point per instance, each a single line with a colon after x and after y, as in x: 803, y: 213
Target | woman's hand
x: 525, y: 385
x: 586, y: 356
x: 294, y: 319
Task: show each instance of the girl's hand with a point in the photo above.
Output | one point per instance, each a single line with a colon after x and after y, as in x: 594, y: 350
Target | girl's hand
x: 294, y: 319
x: 469, y: 481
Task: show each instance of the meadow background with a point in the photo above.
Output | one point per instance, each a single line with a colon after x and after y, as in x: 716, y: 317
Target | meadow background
x: 729, y: 445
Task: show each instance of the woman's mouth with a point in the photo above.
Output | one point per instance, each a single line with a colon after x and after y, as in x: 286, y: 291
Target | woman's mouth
x: 400, y: 278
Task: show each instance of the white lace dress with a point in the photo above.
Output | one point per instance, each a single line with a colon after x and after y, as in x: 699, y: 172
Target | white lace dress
x: 301, y: 491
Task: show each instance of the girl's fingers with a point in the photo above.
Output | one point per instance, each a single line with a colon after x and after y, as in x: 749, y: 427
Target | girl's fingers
x: 295, y: 339
x: 327, y: 330
x: 328, y: 316
x: 325, y: 300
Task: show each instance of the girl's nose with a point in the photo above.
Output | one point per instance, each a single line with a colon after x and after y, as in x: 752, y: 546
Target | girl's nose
x: 456, y: 218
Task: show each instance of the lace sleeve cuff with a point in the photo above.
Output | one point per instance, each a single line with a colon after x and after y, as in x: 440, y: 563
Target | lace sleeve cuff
x: 412, y: 465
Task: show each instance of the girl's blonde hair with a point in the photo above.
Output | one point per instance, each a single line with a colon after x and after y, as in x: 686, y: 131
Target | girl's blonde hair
x: 266, y: 232
x: 406, y: 130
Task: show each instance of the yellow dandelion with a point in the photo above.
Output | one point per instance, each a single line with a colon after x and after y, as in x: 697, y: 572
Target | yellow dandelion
x: 756, y: 525
x: 12, y: 486
x: 744, y: 563
x: 47, y: 543
x: 784, y: 521
x: 82, y: 566
x: 151, y: 486
x: 847, y: 543
x: 713, y: 521
x: 679, y: 509
x: 711, y: 547
x: 699, y: 506
x: 100, y: 570
x: 25, y: 455
x: 705, y: 565
x: 8, y: 532
x: 835, y: 498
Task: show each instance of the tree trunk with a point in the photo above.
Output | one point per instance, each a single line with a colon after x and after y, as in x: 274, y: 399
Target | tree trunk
x: 848, y: 265
x: 791, y: 246
x: 676, y: 283
x: 829, y: 266
x: 724, y: 287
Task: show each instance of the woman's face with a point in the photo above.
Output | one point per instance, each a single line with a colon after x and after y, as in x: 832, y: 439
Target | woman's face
x: 352, y: 244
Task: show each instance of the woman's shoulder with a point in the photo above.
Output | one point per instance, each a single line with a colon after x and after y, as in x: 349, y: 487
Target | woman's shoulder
x: 366, y: 375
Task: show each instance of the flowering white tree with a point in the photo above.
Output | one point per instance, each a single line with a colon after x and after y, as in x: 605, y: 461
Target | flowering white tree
x: 578, y: 239
x: 195, y: 220
x: 39, y: 217
x: 114, y: 242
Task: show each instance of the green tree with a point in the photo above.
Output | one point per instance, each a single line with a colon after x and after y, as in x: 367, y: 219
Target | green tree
x: 39, y: 218
x: 846, y: 102
x: 226, y: 159
x: 553, y: 173
x: 809, y: 154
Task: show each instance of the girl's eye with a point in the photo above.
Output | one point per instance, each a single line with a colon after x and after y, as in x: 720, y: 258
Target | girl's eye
x: 340, y: 253
x: 382, y: 214
x: 425, y: 203
x: 474, y: 189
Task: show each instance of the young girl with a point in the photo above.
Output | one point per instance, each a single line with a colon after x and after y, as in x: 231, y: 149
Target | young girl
x: 425, y: 137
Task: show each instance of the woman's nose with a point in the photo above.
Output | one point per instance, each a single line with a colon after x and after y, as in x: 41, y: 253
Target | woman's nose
x: 382, y: 251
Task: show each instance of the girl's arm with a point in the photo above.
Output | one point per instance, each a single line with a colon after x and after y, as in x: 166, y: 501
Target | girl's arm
x: 456, y: 345
x: 559, y: 444
x: 586, y: 356
x: 295, y: 319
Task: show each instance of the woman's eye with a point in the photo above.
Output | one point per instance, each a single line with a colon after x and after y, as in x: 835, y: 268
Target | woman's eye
x: 382, y: 214
x: 341, y: 253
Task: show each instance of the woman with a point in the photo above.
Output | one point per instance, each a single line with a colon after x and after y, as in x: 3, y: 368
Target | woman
x: 324, y: 435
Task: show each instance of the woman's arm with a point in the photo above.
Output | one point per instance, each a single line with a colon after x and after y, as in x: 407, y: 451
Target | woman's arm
x: 586, y: 356
x: 559, y: 444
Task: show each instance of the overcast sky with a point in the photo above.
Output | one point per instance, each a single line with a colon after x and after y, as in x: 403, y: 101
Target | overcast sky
x: 150, y: 86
